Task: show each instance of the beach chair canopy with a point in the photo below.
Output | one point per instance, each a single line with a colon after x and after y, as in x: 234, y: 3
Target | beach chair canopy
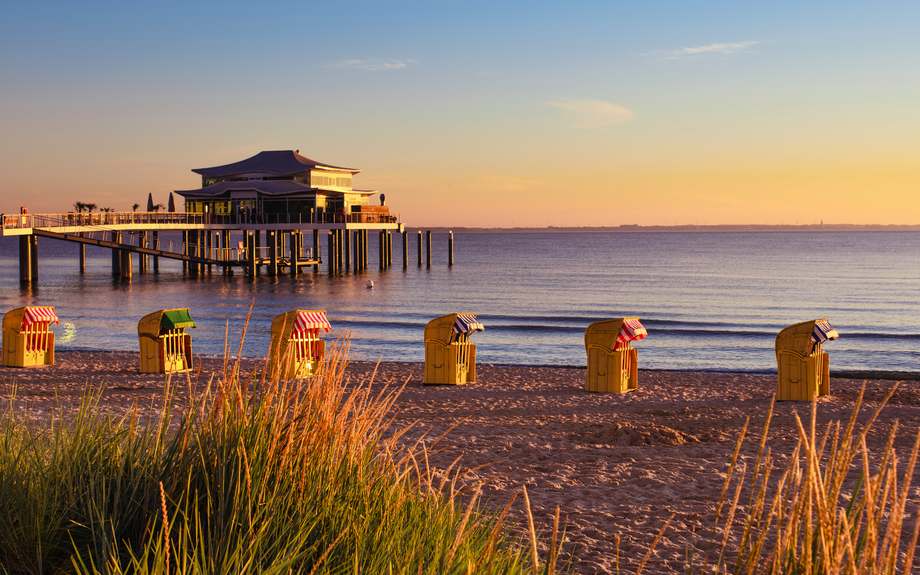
x: 467, y: 323
x: 176, y: 318
x: 311, y: 321
x: 801, y: 338
x: 632, y: 330
x: 823, y: 331
x: 38, y: 314
x: 615, y: 333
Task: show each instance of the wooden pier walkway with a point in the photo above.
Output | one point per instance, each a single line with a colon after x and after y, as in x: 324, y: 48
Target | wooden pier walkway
x: 208, y: 240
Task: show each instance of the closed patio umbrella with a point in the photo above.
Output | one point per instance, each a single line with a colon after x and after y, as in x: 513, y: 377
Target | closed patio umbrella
x: 172, y: 203
x: 150, y: 202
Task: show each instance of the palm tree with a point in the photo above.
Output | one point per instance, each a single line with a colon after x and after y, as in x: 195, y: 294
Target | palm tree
x: 79, y: 207
x: 157, y: 207
x: 89, y: 207
x: 134, y: 207
x: 105, y: 210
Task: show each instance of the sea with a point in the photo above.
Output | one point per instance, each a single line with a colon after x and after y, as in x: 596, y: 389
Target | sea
x: 711, y: 301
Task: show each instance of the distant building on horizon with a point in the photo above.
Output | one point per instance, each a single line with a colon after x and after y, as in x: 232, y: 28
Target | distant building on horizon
x: 279, y: 186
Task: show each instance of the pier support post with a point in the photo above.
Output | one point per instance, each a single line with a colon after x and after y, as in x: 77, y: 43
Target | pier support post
x: 191, y: 249
x: 450, y: 248
x: 356, y: 243
x: 209, y: 249
x: 420, y: 248
x: 82, y: 250
x: 156, y: 246
x: 381, y: 256
x: 364, y: 247
x: 389, y: 248
x: 271, y: 238
x: 330, y: 252
x: 116, y: 254
x: 316, y: 250
x: 185, y: 251
x: 141, y: 257
x: 126, y: 265
x: 346, y: 235
x: 25, y: 259
x: 428, y: 248
x: 250, y: 243
x: 405, y: 238
x: 300, y: 251
x: 33, y: 253
x: 294, y: 254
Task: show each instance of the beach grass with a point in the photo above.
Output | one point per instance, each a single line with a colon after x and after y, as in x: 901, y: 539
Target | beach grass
x: 255, y: 475
x: 264, y: 475
x: 836, y: 507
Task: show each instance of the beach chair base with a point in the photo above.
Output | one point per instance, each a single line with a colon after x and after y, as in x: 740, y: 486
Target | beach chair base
x: 614, y: 371
x: 802, y: 378
x: 16, y: 352
x: 450, y: 364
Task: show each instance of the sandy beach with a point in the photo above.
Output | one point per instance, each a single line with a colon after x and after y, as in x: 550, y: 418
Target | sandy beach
x: 616, y: 464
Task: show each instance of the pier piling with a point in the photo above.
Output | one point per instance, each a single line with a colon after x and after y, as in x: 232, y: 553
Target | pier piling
x: 25, y: 259
x: 125, y: 264
x: 405, y: 238
x: 316, y: 250
x: 450, y: 248
x: 389, y: 247
x: 250, y: 244
x: 116, y: 254
x: 428, y: 248
x: 82, y: 251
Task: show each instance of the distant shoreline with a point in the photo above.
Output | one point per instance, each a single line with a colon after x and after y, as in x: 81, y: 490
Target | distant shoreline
x: 680, y: 228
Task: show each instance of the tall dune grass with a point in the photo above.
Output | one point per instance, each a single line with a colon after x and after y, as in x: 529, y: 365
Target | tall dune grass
x: 257, y: 475
x: 836, y: 508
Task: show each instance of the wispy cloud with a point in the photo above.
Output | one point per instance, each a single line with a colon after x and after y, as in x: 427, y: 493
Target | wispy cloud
x: 708, y: 49
x: 588, y: 114
x: 371, y: 65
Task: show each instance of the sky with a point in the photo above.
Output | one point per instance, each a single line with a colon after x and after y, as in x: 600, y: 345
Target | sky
x: 477, y: 114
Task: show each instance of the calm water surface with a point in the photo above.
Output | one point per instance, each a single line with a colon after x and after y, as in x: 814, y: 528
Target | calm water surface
x: 712, y: 301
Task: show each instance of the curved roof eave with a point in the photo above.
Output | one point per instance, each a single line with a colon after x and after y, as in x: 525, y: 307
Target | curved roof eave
x: 279, y: 162
x: 265, y: 187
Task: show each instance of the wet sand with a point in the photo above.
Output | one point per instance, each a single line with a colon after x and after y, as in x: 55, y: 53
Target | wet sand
x: 616, y: 464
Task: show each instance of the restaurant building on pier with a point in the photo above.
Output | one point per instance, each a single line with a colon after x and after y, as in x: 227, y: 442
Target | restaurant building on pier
x: 282, y: 187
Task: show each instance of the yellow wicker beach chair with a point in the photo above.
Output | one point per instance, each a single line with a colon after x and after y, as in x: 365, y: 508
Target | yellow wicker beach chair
x: 165, y: 346
x: 613, y: 364
x: 802, y: 368
x: 296, y: 349
x: 27, y: 340
x: 450, y: 357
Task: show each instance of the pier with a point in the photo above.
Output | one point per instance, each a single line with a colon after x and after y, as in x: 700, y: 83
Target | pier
x: 265, y: 214
x: 207, y: 241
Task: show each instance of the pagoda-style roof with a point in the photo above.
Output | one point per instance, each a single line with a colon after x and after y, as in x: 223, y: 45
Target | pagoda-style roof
x: 281, y: 163
x: 267, y: 187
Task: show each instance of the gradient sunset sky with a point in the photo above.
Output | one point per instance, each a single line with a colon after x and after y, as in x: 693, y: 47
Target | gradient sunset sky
x: 477, y: 113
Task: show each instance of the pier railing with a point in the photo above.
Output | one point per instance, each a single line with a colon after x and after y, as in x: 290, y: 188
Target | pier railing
x: 100, y: 219
x: 314, y: 218
x: 68, y: 220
